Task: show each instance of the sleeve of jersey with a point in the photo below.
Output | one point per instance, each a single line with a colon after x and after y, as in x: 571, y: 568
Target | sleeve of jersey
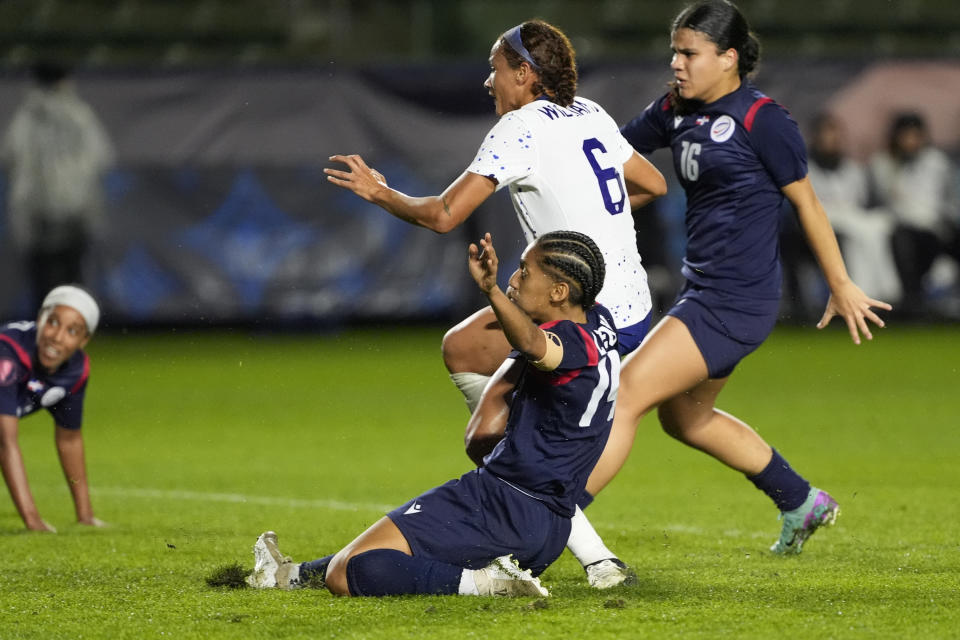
x: 8, y: 395
x: 579, y: 350
x: 776, y: 138
x: 508, y: 152
x: 11, y: 370
x: 648, y: 131
x: 623, y: 150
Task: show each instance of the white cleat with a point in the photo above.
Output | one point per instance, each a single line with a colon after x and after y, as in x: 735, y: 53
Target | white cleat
x: 271, y: 568
x: 609, y: 573
x: 504, y: 577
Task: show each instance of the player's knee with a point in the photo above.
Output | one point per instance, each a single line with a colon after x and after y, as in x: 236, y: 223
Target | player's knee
x: 631, y: 409
x: 685, y: 421
x: 456, y: 350
x: 375, y: 572
x: 336, y: 578
x: 671, y: 422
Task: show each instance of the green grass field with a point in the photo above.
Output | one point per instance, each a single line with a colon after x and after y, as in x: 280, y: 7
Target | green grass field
x: 197, y: 442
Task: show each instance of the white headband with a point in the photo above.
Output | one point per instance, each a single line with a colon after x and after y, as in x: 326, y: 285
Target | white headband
x: 76, y: 298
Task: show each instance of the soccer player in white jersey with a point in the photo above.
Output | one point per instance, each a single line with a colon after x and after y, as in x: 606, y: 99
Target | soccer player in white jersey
x: 567, y: 167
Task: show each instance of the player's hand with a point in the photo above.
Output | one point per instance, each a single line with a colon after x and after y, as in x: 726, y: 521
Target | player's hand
x: 482, y: 262
x: 41, y: 525
x: 359, y: 178
x: 93, y: 522
x: 855, y: 307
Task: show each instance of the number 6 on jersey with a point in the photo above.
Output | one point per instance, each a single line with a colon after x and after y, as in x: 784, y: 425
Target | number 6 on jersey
x: 605, y: 176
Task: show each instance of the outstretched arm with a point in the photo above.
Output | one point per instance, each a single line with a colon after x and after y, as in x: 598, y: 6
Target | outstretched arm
x: 440, y: 213
x: 521, y: 332
x: 70, y: 450
x: 846, y: 298
x: 645, y: 183
x: 15, y: 474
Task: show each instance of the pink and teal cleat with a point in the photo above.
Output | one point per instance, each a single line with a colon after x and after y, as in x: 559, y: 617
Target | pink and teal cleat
x: 818, y: 510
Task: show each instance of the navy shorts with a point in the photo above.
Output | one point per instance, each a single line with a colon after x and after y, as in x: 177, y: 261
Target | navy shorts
x: 470, y: 521
x: 725, y: 327
x: 629, y: 338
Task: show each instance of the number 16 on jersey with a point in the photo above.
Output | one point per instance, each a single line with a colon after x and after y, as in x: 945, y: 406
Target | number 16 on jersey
x: 689, y: 160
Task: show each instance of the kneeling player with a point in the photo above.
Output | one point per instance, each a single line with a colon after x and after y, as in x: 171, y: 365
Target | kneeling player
x: 43, y: 366
x: 562, y: 381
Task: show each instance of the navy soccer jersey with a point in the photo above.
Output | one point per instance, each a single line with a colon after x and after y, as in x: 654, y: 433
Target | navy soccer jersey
x: 26, y: 388
x: 560, y: 419
x: 731, y: 156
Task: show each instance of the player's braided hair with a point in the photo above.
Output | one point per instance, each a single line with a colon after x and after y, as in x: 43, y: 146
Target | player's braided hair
x: 574, y: 258
x: 554, y: 55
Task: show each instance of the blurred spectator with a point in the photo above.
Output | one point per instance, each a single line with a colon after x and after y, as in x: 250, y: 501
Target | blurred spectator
x: 842, y: 185
x: 913, y: 181
x: 56, y: 151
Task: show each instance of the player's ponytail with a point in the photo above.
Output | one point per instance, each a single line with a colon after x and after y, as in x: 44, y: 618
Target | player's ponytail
x: 574, y: 258
x: 549, y: 53
x: 748, y: 55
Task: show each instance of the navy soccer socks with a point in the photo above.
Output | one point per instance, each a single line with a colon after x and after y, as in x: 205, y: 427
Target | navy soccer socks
x: 388, y: 572
x: 315, y: 569
x: 786, y: 487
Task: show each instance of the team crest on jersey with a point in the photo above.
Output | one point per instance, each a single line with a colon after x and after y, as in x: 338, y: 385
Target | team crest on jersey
x: 35, y: 386
x: 722, y: 129
x: 8, y: 372
x: 52, y: 396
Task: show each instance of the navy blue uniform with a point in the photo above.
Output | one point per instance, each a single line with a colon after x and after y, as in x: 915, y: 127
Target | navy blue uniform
x: 25, y: 388
x: 732, y: 157
x: 521, y: 500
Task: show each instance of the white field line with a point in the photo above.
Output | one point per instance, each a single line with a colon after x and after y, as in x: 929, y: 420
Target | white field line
x: 728, y: 533
x: 238, y: 498
x: 339, y: 505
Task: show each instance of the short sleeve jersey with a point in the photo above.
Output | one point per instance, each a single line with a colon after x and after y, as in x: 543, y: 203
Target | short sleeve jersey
x: 25, y: 389
x: 732, y: 157
x: 564, y: 169
x: 560, y: 420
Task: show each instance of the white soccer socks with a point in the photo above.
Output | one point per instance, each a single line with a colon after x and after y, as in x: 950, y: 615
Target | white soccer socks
x: 468, y: 585
x: 471, y: 385
x: 584, y: 541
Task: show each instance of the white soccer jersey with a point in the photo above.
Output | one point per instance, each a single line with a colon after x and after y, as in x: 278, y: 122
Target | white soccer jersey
x: 564, y: 167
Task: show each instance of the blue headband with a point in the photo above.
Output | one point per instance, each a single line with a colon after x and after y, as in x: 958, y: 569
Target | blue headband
x: 512, y: 37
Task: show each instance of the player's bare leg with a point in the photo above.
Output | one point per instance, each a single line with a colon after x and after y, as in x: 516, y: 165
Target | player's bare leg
x: 668, y: 372
x: 472, y: 352
x: 666, y: 364
x: 693, y: 419
x: 683, y: 368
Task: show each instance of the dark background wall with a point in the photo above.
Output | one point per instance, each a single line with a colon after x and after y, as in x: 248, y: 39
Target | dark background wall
x: 223, y: 114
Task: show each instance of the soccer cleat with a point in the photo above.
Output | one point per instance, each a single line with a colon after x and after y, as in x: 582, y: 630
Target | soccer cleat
x: 271, y: 568
x: 818, y: 510
x: 504, y: 577
x: 605, y: 574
